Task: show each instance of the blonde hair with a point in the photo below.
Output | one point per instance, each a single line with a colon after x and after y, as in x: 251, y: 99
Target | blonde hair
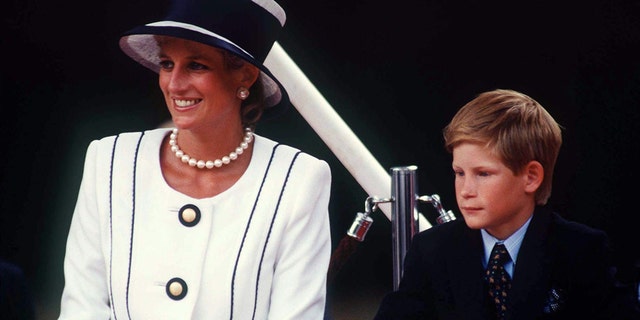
x: 515, y: 126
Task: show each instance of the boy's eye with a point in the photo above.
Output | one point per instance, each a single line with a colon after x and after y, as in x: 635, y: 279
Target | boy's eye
x: 483, y: 174
x: 458, y: 173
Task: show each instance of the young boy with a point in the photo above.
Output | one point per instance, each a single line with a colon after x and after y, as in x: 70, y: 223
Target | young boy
x: 504, y: 146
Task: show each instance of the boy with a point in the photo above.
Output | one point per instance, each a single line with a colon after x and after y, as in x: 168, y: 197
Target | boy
x: 504, y: 146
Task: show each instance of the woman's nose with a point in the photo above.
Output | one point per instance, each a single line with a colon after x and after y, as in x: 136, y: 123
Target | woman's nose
x: 177, y: 80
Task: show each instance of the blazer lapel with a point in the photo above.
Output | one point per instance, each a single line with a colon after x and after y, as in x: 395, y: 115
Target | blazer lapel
x: 467, y: 274
x: 533, y: 270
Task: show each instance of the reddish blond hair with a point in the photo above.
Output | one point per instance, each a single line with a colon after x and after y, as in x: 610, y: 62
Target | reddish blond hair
x: 515, y: 126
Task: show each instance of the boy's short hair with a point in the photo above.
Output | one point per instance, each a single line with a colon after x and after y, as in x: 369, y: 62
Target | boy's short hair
x: 515, y: 126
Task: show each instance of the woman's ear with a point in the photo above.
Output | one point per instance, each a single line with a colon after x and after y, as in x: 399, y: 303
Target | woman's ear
x: 534, y: 175
x: 248, y: 75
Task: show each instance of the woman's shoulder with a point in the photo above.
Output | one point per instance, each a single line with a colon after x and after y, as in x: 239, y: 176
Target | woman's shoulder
x: 273, y: 147
x: 131, y: 136
x: 125, y: 143
x: 295, y: 162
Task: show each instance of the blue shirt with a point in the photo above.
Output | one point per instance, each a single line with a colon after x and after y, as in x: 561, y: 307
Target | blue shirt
x: 512, y: 243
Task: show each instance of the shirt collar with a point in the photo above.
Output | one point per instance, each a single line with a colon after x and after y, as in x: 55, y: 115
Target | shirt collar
x: 512, y: 243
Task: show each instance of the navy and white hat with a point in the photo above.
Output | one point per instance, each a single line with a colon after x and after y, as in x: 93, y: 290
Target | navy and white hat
x: 247, y: 28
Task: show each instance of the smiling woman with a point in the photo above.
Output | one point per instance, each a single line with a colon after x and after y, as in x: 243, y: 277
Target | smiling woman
x: 242, y: 233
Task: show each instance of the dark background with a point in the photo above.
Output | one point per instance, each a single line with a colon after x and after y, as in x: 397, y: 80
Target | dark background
x: 395, y: 71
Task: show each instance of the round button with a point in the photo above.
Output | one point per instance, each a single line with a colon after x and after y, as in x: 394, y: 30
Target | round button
x: 189, y: 215
x: 176, y: 289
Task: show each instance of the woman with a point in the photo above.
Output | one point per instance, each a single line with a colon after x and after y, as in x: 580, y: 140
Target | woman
x: 208, y: 219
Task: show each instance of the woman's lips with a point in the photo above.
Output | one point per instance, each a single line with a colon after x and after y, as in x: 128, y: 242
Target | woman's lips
x: 185, y: 104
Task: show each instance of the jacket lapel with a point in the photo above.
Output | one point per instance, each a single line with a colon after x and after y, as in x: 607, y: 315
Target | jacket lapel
x: 533, y: 269
x: 467, y: 275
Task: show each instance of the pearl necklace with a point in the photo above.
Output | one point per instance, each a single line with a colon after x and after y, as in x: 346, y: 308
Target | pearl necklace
x: 209, y: 164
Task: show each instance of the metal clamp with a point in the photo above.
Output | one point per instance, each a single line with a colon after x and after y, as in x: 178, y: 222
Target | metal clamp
x: 363, y: 221
x: 445, y: 216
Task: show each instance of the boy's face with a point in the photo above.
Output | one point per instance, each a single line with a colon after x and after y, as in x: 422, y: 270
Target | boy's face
x: 489, y: 195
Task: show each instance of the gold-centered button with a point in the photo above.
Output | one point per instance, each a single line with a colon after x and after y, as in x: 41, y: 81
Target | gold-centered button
x: 176, y: 289
x: 189, y: 215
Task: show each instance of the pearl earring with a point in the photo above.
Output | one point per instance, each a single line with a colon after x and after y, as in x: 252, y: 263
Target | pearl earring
x: 242, y: 93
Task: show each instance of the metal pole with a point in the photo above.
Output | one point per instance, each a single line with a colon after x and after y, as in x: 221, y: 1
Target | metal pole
x: 404, y: 216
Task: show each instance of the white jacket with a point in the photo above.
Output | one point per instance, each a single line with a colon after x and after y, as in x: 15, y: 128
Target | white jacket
x: 259, y: 250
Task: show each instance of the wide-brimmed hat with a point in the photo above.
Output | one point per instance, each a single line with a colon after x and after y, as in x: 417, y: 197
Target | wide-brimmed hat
x: 247, y: 28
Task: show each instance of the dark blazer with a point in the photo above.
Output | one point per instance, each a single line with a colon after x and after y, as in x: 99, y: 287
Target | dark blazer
x: 563, y: 271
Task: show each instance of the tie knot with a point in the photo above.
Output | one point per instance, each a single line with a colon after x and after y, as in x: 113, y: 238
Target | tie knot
x: 499, y: 254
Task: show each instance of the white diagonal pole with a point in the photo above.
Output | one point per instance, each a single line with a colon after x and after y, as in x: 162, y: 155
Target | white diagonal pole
x: 338, y: 136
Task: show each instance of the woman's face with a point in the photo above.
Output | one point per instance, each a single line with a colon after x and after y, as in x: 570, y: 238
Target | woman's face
x: 199, y: 89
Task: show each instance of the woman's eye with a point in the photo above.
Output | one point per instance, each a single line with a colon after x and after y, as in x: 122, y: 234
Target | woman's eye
x: 166, y: 64
x: 197, y: 66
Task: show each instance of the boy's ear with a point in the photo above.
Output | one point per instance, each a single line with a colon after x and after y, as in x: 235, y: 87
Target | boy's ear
x: 534, y: 174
